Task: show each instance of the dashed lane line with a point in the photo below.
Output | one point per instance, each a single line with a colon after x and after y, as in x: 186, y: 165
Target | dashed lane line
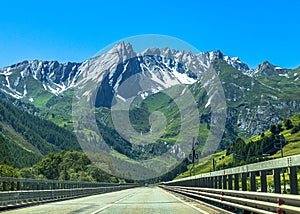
x: 109, y: 205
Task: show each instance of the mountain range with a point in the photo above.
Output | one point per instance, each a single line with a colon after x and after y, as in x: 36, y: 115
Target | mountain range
x: 255, y: 98
x: 56, y: 78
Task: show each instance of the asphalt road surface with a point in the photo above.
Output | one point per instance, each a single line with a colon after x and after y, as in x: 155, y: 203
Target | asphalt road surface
x: 144, y: 200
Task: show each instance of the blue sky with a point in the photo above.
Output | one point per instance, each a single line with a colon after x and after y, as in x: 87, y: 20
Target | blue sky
x: 255, y: 30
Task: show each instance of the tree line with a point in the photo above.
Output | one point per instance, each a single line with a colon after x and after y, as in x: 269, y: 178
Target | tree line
x: 267, y: 144
x: 65, y: 165
x: 45, y: 136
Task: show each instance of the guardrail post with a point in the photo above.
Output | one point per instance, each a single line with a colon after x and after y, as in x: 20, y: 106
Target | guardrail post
x: 215, y: 182
x: 236, y: 182
x: 4, y: 186
x: 220, y: 182
x: 211, y: 182
x: 23, y: 185
x: 12, y: 187
x: 224, y: 181
x: 244, y: 181
x: 253, y: 181
x: 276, y: 174
x: 263, y: 181
x: 293, y: 180
x: 18, y: 185
x: 230, y: 182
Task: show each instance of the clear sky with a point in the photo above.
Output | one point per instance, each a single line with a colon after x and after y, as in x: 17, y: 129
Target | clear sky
x: 254, y: 30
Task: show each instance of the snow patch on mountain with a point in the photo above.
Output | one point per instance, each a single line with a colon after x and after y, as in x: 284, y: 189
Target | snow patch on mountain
x: 164, y: 66
x: 284, y: 75
x: 53, y: 76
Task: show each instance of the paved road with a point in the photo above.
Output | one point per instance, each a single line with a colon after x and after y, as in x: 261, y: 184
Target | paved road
x: 144, y: 200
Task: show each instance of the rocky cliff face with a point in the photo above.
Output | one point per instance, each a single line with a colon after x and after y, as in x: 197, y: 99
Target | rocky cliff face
x: 256, y: 98
x: 19, y: 80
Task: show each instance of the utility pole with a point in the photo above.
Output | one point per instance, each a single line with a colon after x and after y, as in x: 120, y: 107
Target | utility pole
x: 280, y: 146
x: 194, y: 155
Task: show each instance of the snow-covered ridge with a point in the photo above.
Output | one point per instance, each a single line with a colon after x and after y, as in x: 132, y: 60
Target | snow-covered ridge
x: 267, y: 69
x: 16, y: 80
x: 205, y: 57
x: 162, y: 65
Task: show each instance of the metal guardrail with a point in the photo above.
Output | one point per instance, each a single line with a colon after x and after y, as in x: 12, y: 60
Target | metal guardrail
x: 12, y: 184
x: 224, y: 186
x: 223, y: 179
x: 257, y: 202
x: 16, y: 192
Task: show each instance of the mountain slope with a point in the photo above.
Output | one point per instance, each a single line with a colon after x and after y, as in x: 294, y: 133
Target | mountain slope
x: 256, y: 102
x: 255, y: 98
x: 225, y: 158
x: 26, y: 138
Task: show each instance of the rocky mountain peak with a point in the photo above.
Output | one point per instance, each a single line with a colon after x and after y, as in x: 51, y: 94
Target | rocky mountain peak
x: 265, y: 65
x: 124, y: 51
x: 268, y: 69
x: 217, y: 55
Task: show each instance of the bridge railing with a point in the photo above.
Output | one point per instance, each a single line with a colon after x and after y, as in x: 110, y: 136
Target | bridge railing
x: 256, y: 202
x: 13, y: 184
x: 247, y: 186
x: 15, y: 192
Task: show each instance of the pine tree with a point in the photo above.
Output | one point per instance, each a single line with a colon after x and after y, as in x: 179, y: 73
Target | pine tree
x: 288, y: 124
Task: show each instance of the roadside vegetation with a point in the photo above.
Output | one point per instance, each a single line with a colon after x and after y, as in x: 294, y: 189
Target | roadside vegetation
x: 264, y: 146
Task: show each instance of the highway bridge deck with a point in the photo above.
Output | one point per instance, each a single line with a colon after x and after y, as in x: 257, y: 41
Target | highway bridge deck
x: 148, y: 200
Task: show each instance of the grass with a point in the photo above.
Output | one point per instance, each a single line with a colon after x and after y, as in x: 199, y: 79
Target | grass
x: 205, y: 164
x: 292, y: 148
x: 288, y: 150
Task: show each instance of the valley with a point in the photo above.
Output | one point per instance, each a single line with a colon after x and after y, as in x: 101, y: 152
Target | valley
x: 37, y: 100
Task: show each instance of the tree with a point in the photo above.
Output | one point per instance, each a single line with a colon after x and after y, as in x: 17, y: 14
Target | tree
x: 239, y: 147
x: 28, y: 172
x: 279, y: 128
x: 8, y: 171
x: 276, y: 129
x: 288, y: 124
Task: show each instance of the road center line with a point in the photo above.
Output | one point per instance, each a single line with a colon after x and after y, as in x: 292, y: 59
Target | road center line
x: 109, y: 205
x: 196, y: 208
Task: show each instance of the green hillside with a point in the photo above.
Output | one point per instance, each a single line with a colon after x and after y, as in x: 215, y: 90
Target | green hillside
x: 290, y: 131
x: 25, y: 138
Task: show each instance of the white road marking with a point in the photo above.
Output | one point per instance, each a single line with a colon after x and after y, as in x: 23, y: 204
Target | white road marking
x: 196, y: 208
x: 109, y: 205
